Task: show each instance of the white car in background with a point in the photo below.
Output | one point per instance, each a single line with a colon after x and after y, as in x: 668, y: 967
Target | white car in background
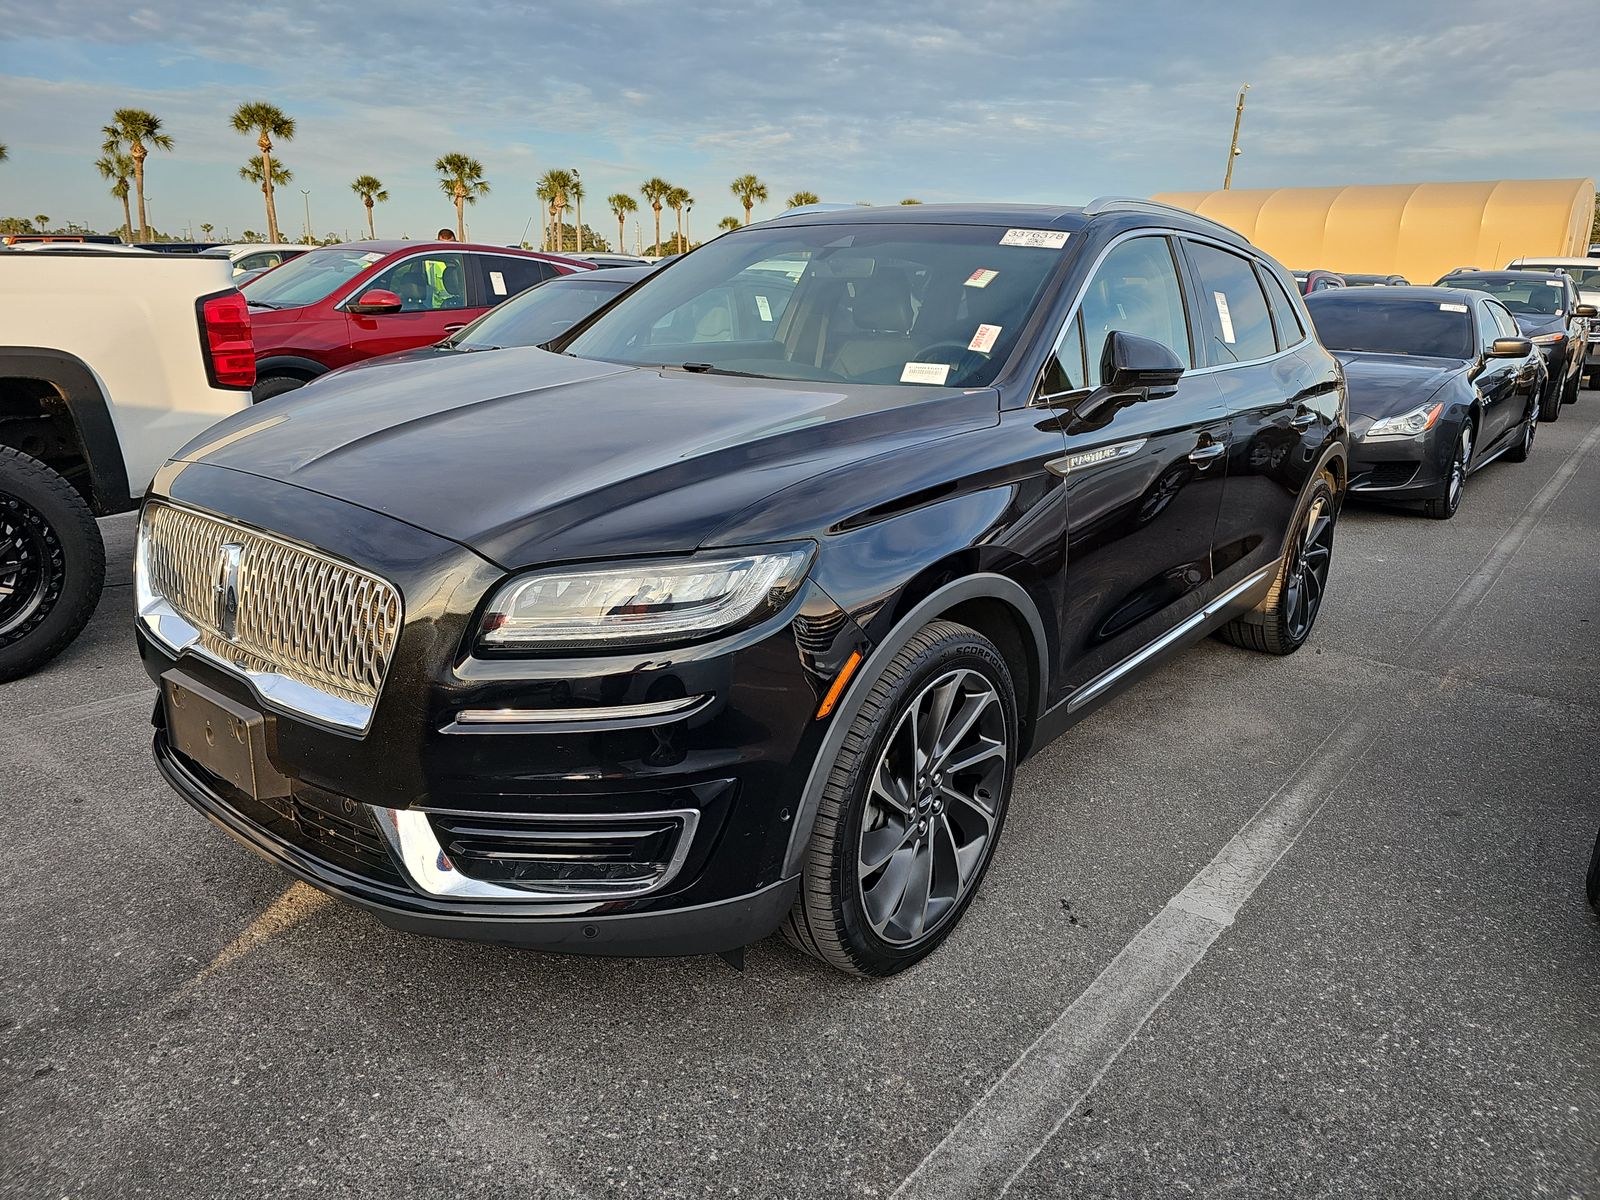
x: 1585, y: 276
x: 252, y: 258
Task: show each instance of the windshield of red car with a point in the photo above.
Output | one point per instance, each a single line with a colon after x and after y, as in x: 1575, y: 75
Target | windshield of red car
x: 308, y: 278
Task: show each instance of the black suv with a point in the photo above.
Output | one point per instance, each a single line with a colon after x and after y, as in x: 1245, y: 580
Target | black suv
x: 740, y: 609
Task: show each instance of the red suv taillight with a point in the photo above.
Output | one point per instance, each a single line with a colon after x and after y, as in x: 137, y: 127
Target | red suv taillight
x: 225, y: 334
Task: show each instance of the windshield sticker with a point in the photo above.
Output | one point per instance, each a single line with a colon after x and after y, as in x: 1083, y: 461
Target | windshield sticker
x: 1553, y: 283
x: 916, y: 372
x: 1225, y: 317
x: 1040, y: 239
x: 1452, y: 308
x: 764, y: 309
x: 369, y: 259
x: 983, y: 341
x: 981, y: 278
x: 498, y: 282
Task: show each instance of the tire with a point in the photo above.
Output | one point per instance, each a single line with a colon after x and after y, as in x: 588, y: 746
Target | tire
x: 52, y: 564
x: 854, y: 918
x: 1592, y: 379
x: 1278, y: 625
x: 1550, y: 404
x: 1592, y: 883
x: 1573, y: 387
x: 274, y: 385
x: 1446, y: 506
x: 1521, y: 451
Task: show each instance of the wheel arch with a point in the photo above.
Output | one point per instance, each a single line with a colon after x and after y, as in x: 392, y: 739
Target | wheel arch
x: 289, y: 364
x: 998, y: 607
x: 65, y: 392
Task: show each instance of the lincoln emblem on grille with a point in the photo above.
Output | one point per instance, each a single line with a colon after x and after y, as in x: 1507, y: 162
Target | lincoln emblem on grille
x: 225, y: 589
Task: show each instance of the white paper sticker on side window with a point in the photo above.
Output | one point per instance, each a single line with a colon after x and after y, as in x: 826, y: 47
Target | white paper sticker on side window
x: 1043, y: 239
x: 764, y: 308
x: 1452, y: 308
x: 1225, y: 317
x: 925, y: 373
x: 498, y: 282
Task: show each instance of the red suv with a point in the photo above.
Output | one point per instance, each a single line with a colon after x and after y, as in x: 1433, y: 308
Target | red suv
x: 342, y: 304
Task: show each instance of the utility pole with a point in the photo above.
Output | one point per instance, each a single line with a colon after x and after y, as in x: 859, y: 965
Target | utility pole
x: 1233, y: 150
x: 577, y: 198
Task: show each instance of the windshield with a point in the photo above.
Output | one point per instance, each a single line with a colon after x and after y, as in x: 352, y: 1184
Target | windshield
x: 1526, y: 297
x: 896, y: 303
x: 1381, y: 326
x: 1587, y: 278
x: 308, y: 278
x: 540, y: 313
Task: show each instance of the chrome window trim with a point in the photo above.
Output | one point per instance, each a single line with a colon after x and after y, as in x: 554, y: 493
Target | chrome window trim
x: 427, y: 867
x: 169, y: 629
x: 1165, y: 231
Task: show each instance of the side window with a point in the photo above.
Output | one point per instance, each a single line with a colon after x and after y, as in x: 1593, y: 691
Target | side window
x: 427, y: 283
x: 1233, y: 310
x: 1290, y: 331
x: 1488, y: 329
x: 504, y: 276
x: 1135, y: 290
x: 1064, y: 372
x: 1503, y: 320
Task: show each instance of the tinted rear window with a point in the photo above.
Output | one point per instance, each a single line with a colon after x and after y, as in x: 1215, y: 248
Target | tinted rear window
x: 1383, y: 326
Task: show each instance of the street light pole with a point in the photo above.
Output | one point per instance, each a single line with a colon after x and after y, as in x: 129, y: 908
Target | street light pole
x: 1233, y: 149
x: 577, y: 196
x: 307, y: 194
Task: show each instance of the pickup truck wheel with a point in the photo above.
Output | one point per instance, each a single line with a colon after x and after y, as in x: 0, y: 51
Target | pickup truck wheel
x: 274, y: 385
x: 52, y: 564
x: 912, y: 808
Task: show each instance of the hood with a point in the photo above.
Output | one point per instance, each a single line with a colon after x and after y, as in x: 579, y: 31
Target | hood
x: 1537, y: 323
x: 420, y: 354
x: 1382, y: 385
x: 530, y: 457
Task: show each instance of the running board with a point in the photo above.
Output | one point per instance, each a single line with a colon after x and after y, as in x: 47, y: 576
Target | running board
x: 1109, y: 677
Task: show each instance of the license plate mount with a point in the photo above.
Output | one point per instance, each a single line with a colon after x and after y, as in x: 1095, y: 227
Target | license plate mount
x: 225, y: 737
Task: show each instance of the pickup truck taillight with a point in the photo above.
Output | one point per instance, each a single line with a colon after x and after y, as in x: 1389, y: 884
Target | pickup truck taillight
x: 225, y: 334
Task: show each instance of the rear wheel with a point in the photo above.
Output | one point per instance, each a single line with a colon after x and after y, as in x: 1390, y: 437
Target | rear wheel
x: 1283, y: 621
x: 1447, y: 505
x: 52, y: 564
x: 275, y: 385
x: 912, y: 808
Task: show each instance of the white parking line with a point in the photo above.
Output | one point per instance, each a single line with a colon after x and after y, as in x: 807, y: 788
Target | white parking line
x: 989, y: 1148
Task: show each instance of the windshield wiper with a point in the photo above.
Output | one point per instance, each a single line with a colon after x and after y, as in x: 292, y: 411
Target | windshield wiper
x: 260, y: 303
x: 710, y: 369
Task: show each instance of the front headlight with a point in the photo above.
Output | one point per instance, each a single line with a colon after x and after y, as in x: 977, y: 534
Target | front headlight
x: 1549, y: 339
x: 643, y: 604
x: 1418, y: 420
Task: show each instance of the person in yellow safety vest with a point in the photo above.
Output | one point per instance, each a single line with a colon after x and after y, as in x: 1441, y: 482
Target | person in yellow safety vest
x: 439, y: 295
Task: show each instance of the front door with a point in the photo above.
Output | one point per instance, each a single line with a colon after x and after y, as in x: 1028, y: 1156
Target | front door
x: 433, y: 291
x: 1143, y: 479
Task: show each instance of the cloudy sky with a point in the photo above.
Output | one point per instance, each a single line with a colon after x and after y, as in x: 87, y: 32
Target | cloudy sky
x: 938, y: 99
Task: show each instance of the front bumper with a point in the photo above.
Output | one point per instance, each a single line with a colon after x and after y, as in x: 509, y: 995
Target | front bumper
x: 1415, y: 468
x: 730, y: 769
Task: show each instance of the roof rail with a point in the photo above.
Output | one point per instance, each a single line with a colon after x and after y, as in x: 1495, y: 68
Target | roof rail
x: 1105, y: 204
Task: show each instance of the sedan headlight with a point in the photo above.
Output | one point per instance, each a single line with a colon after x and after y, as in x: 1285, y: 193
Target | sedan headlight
x: 643, y: 604
x: 1418, y: 420
x: 1548, y: 339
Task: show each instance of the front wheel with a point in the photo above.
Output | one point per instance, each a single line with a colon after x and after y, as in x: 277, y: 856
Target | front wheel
x: 1550, y: 405
x: 912, y: 808
x: 1282, y: 622
x: 1445, y: 507
x: 1524, y: 446
x: 52, y: 564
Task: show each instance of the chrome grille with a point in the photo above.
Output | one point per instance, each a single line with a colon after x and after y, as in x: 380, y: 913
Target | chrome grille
x: 299, y: 614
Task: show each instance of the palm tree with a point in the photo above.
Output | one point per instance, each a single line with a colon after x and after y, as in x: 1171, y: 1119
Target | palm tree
x: 910, y: 201
x: 267, y: 121
x: 621, y: 204
x: 141, y: 131
x: 556, y: 188
x: 41, y: 221
x: 205, y: 228
x: 371, y: 191
x: 461, y: 178
x: 800, y: 199
x: 676, y: 199
x: 749, y: 191
x: 254, y: 172
x: 4, y: 153
x: 728, y: 224
x: 655, y: 190
x: 117, y: 166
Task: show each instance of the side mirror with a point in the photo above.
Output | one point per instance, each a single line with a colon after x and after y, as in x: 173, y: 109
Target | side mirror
x: 1586, y: 310
x: 1132, y: 368
x: 375, y: 303
x: 1510, y: 348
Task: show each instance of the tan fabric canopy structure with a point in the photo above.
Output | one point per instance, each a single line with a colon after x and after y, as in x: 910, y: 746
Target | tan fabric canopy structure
x: 1419, y: 230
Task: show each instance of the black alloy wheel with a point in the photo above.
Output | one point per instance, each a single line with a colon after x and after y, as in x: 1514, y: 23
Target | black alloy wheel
x: 1308, y: 571
x: 1455, y: 483
x: 52, y: 563
x: 913, y: 806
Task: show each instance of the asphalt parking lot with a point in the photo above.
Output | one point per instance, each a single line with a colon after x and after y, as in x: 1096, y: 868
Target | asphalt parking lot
x: 1308, y: 926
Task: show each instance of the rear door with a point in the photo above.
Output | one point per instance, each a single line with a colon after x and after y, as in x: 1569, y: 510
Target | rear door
x: 1143, y: 478
x: 433, y: 288
x: 502, y: 276
x: 1505, y: 382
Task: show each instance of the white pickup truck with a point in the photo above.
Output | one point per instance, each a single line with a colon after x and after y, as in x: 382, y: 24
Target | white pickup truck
x: 108, y: 363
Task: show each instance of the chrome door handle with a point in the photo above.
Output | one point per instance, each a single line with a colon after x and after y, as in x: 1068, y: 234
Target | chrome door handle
x: 1303, y: 420
x: 1204, y: 456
